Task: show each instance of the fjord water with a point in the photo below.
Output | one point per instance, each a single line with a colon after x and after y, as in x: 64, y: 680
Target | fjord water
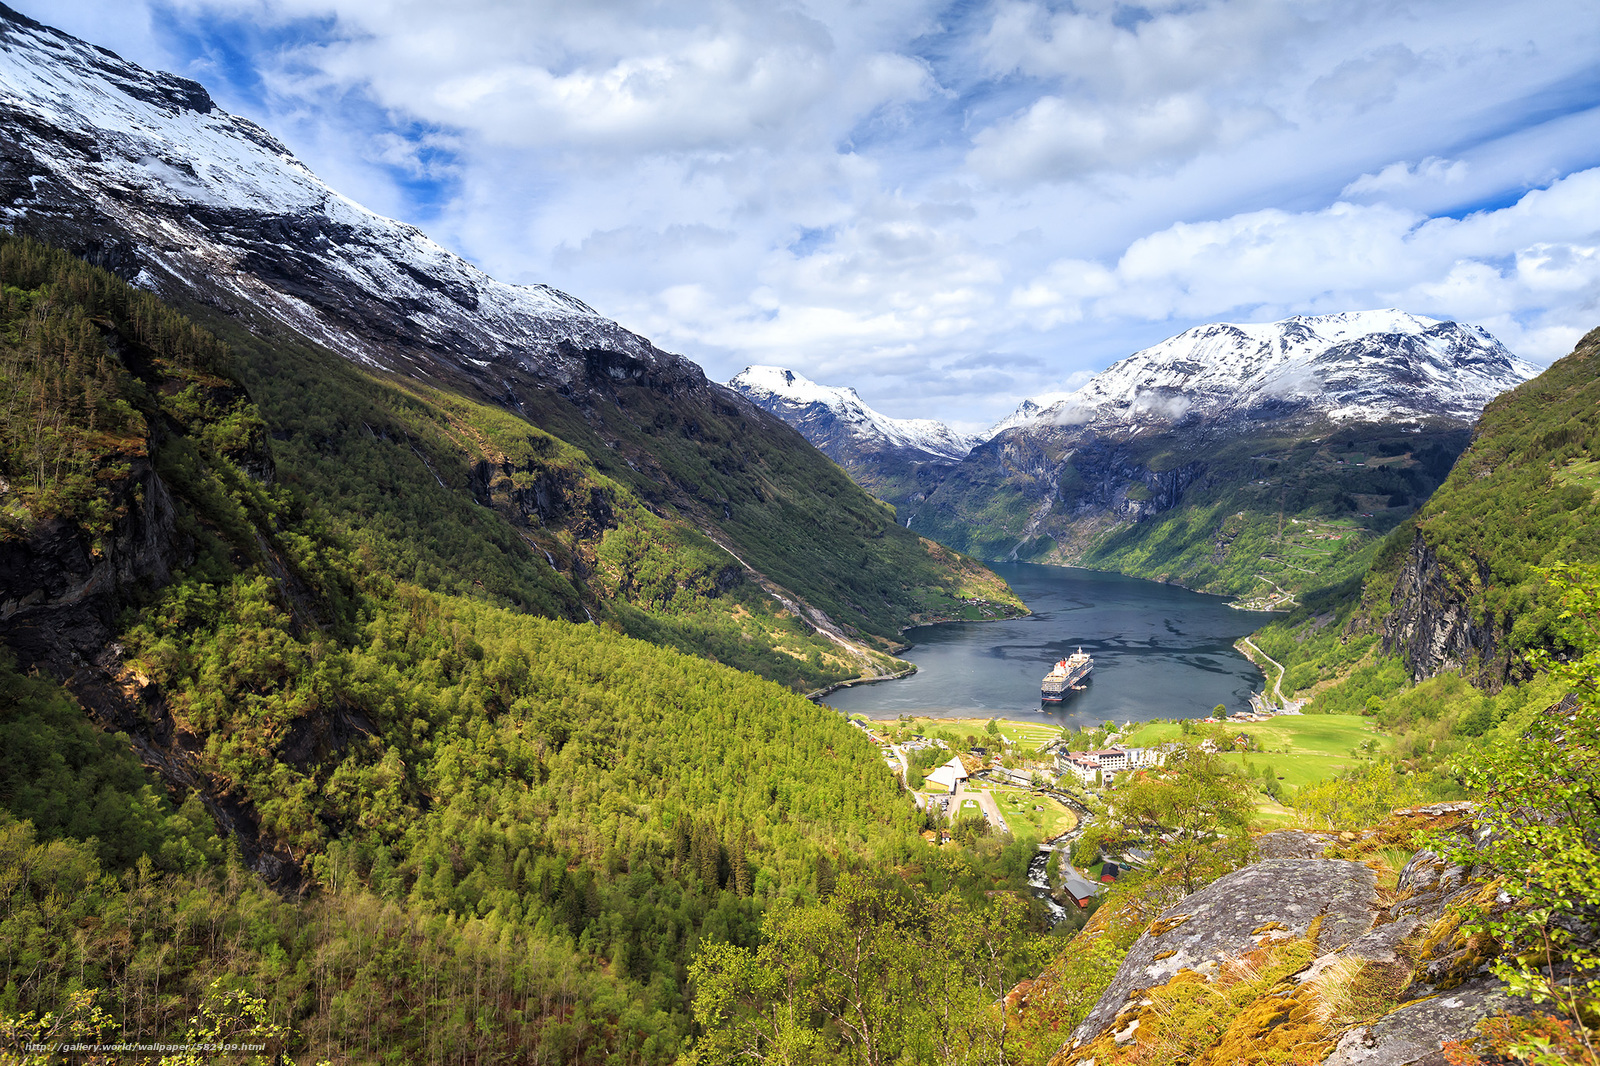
x: 1159, y: 652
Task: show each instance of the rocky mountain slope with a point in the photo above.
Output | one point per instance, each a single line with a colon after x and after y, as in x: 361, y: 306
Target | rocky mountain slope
x: 1522, y: 499
x: 1245, y: 459
x: 440, y: 411
x: 141, y: 172
x: 896, y: 459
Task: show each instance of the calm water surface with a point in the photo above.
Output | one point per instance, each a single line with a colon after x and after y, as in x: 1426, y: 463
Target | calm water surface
x: 1159, y: 652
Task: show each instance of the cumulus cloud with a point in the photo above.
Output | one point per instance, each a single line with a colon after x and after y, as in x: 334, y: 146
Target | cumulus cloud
x: 1130, y: 93
x: 1533, y: 268
x: 948, y: 204
x: 1059, y: 138
x: 627, y: 75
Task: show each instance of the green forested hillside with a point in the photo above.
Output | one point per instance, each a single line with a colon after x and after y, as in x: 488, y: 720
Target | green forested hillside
x: 577, y: 809
x: 1470, y: 574
x: 486, y: 835
x: 569, y: 509
x: 1524, y: 498
x: 463, y: 497
x: 1263, y: 515
x: 1277, y: 514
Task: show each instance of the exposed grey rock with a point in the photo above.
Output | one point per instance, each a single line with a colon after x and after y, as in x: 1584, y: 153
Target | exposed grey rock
x: 1432, y: 626
x: 59, y: 592
x: 1421, y: 871
x: 1436, y: 809
x: 1412, y: 1035
x: 1382, y: 944
x: 1229, y: 918
x: 1432, y: 883
x: 1292, y: 844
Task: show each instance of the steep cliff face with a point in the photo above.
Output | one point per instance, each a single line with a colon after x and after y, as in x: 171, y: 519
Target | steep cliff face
x: 1432, y: 624
x: 61, y: 587
x: 1522, y: 499
x: 62, y: 590
x: 1116, y: 478
x: 1234, y: 509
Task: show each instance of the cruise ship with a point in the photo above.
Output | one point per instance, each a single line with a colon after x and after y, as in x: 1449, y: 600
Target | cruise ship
x: 1065, y: 676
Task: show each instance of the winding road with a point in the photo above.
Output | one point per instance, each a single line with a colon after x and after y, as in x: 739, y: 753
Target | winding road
x: 1276, y: 691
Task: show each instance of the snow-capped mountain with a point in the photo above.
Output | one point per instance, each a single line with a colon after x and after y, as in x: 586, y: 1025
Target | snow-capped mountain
x: 1353, y: 416
x: 827, y: 414
x: 899, y: 460
x: 1369, y: 365
x: 141, y: 172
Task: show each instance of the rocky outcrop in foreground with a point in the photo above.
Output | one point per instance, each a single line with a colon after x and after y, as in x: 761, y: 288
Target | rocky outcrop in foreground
x: 1306, y: 956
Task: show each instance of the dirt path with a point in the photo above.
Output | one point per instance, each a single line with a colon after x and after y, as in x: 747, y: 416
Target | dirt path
x: 905, y: 764
x: 1288, y: 597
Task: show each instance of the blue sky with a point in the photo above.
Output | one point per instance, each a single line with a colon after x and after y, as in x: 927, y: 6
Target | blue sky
x: 948, y: 206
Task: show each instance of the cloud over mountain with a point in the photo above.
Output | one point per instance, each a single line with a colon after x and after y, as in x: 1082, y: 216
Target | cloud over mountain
x: 965, y: 202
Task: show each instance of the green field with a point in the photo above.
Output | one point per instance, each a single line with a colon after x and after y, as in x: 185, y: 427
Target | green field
x: 1302, y: 748
x: 1018, y: 808
x: 1026, y: 735
x: 1585, y: 473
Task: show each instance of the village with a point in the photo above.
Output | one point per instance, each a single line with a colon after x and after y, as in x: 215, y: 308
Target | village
x: 1043, y: 788
x: 1035, y: 780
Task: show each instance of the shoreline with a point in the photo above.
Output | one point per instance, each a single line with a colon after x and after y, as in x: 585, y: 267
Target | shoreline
x: 1236, y: 602
x: 853, y: 681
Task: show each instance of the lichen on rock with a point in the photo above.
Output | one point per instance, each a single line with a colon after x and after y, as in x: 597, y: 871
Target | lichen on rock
x: 1308, y: 960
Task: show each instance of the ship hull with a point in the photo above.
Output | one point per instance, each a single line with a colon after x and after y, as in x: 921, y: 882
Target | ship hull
x: 1055, y: 690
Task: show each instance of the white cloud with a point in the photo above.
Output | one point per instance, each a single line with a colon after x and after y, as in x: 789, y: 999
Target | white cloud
x: 1126, y: 96
x: 1179, y: 48
x: 1057, y: 138
x: 1533, y: 268
x: 1366, y: 82
x: 631, y: 77
x: 1396, y: 177
x: 956, y: 203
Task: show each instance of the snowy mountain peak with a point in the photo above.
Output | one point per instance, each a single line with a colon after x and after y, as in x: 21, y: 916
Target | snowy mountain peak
x: 804, y: 404
x: 142, y: 171
x: 1349, y: 365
